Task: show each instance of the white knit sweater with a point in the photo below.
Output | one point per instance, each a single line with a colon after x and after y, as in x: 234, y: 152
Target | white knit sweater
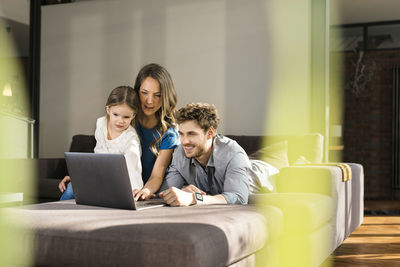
x: 127, y: 143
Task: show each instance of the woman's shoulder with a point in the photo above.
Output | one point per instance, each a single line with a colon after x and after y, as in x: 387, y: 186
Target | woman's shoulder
x: 170, y: 138
x: 172, y: 130
x: 171, y: 133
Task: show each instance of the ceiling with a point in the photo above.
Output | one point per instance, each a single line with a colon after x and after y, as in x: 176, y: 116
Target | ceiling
x: 349, y: 11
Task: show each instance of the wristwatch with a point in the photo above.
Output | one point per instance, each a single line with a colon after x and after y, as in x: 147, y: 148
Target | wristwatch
x: 198, y: 196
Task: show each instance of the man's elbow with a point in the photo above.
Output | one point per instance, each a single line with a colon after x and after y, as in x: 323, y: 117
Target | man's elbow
x: 236, y: 198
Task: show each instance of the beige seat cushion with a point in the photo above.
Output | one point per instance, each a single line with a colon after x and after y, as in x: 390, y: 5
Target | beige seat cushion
x: 302, y: 212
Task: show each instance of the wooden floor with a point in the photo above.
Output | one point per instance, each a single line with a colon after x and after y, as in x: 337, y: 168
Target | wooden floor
x: 375, y: 243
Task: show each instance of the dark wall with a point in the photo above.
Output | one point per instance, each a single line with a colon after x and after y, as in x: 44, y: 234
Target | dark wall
x: 367, y: 134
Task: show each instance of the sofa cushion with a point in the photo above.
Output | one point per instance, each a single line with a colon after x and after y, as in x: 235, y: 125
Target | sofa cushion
x: 308, y: 146
x: 275, y: 154
x: 302, y: 212
x: 261, y: 177
x: 66, y: 234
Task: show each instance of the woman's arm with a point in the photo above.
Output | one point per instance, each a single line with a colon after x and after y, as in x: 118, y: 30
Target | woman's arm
x: 156, y: 178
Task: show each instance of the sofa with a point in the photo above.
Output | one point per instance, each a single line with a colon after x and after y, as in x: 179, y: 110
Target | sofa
x: 310, y: 212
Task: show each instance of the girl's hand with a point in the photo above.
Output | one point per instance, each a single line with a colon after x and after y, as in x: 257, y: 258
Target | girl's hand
x: 143, y: 194
x: 63, y: 184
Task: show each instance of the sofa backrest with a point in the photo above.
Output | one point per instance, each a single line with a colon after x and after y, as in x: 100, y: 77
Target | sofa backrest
x: 309, y: 146
x: 83, y: 143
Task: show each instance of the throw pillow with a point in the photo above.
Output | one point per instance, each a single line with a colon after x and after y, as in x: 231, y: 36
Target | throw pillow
x: 310, y: 146
x: 261, y: 177
x: 275, y: 154
x: 302, y: 160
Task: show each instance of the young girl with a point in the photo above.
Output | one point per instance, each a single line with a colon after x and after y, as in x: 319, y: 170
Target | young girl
x: 115, y: 134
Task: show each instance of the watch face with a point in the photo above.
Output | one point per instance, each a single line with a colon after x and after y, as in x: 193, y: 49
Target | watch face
x: 199, y: 196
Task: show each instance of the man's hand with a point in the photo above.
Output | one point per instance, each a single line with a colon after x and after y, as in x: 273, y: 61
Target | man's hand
x: 193, y: 189
x: 63, y: 184
x: 176, y: 197
x: 143, y: 194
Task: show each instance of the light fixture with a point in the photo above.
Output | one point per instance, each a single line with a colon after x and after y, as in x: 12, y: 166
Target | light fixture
x: 7, y: 90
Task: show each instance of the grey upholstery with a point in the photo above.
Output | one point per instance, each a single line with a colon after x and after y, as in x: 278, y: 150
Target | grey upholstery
x: 67, y: 234
x: 355, y: 198
x: 217, y: 235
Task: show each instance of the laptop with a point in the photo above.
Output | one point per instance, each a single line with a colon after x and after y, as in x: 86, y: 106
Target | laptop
x: 103, y: 180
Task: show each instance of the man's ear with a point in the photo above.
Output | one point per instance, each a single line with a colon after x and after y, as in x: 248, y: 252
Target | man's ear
x: 211, y: 132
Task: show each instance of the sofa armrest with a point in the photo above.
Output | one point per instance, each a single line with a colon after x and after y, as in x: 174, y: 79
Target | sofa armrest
x: 348, y: 195
x: 52, y: 168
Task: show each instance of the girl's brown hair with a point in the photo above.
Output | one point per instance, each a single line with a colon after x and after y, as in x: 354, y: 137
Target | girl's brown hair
x: 124, y: 95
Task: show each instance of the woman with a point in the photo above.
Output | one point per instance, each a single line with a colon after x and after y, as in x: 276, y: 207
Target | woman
x: 155, y: 126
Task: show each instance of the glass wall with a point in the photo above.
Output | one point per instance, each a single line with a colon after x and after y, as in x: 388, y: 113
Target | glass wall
x: 367, y: 36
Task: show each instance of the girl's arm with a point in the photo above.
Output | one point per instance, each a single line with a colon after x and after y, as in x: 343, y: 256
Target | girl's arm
x: 156, y: 178
x: 133, y: 162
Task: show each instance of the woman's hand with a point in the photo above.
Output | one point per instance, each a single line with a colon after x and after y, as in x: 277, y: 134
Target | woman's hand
x: 63, y: 184
x: 143, y: 194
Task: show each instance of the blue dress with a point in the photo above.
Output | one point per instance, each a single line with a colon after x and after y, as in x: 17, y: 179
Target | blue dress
x: 169, y: 141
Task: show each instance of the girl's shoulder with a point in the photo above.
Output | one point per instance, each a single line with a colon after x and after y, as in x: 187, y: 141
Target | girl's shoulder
x: 101, y: 121
x: 101, y: 127
x: 131, y: 133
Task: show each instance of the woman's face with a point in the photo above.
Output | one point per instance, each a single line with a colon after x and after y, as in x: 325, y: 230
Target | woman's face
x: 150, y: 96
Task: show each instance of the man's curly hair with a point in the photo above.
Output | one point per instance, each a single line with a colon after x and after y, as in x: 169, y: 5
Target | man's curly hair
x: 205, y: 115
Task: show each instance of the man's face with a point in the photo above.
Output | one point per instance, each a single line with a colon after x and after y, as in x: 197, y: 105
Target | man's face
x: 193, y: 139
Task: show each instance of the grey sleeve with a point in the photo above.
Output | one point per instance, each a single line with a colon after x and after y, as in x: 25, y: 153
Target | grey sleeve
x: 173, y: 178
x: 236, y: 185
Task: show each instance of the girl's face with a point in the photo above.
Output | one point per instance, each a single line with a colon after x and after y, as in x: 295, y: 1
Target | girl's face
x: 120, y: 117
x: 150, y: 96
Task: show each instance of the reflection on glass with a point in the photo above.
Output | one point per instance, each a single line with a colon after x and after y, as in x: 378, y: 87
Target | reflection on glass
x: 384, y: 36
x: 346, y: 39
x: 14, y: 60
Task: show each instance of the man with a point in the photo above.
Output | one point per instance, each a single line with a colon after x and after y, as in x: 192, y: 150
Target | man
x: 206, y: 168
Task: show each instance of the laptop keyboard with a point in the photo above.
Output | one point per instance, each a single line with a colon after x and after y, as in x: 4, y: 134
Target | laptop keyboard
x: 149, y: 203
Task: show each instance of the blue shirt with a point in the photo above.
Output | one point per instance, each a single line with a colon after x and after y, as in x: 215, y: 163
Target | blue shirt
x: 147, y: 136
x: 226, y: 172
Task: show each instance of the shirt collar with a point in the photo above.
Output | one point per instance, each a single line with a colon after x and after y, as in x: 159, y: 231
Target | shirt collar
x: 210, y: 162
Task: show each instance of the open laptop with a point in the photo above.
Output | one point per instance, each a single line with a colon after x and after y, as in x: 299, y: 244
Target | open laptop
x: 103, y: 180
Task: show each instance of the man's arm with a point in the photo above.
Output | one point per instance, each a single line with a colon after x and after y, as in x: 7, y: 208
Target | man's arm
x: 177, y: 197
x: 236, y: 184
x: 174, y: 178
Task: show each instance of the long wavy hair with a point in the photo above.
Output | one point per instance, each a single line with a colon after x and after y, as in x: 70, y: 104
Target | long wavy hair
x: 166, y: 114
